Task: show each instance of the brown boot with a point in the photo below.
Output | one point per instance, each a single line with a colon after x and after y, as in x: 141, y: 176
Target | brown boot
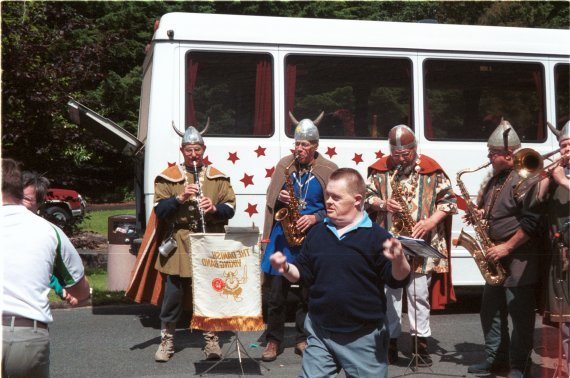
x: 212, y: 349
x: 271, y: 351
x: 393, y: 351
x: 300, y: 348
x: 166, y: 347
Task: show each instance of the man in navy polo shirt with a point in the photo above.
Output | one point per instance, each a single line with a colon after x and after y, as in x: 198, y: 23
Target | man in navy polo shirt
x: 345, y: 262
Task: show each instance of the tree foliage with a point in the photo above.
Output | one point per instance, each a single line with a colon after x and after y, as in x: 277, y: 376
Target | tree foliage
x: 93, y: 52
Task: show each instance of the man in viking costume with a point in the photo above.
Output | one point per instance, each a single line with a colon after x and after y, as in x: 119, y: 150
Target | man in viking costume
x: 180, y: 209
x: 307, y: 173
x: 514, y: 232
x: 405, y: 185
x: 554, y: 201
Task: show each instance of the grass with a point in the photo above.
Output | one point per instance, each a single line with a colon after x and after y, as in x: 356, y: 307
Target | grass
x: 101, y: 296
x: 98, y: 221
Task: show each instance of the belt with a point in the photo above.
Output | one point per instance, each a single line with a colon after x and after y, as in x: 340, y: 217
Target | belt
x: 22, y: 322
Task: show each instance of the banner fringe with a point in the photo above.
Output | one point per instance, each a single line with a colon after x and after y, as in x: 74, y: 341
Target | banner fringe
x: 234, y: 323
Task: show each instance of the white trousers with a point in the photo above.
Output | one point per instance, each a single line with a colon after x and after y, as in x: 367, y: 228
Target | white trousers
x: 418, y: 307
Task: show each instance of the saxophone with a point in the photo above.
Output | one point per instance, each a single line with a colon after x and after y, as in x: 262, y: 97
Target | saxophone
x: 402, y: 222
x: 493, y: 273
x: 288, y: 216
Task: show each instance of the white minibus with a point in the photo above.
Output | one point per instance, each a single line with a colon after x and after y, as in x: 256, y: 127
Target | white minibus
x: 450, y: 83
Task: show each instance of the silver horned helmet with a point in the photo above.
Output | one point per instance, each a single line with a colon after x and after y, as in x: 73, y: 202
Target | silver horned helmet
x: 401, y: 137
x: 563, y: 133
x: 504, y: 137
x: 306, y: 129
x: 191, y: 135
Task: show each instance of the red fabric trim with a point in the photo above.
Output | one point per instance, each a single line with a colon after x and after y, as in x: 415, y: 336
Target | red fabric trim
x: 427, y: 165
x: 146, y: 283
x: 291, y: 83
x: 191, y: 77
x: 262, y: 123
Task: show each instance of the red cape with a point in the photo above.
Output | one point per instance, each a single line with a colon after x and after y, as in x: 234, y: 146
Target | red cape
x: 441, y: 289
x: 146, y: 283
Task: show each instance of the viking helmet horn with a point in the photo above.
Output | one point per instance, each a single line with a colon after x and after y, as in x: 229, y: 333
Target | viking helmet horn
x: 554, y: 130
x: 205, y: 127
x: 181, y: 134
x: 293, y: 119
x: 319, y: 118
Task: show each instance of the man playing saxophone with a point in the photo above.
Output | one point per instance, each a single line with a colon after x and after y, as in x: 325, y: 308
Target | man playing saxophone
x: 305, y: 174
x: 410, y: 194
x: 514, y: 232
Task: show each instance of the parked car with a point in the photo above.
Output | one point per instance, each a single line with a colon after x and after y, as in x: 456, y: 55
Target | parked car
x: 63, y: 207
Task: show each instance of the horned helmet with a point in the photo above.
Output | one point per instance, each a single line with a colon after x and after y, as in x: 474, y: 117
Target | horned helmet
x: 306, y: 129
x: 191, y: 135
x: 561, y: 134
x: 401, y: 137
x: 504, y: 137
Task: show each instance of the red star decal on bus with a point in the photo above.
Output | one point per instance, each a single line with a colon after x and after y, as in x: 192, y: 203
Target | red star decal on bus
x: 357, y: 158
x: 379, y: 154
x: 260, y: 151
x: 206, y: 161
x: 331, y: 151
x: 269, y: 172
x: 171, y: 164
x: 233, y: 157
x: 251, y: 209
x: 247, y: 179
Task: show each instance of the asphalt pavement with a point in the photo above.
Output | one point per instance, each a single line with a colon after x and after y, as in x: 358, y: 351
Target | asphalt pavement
x: 120, y: 341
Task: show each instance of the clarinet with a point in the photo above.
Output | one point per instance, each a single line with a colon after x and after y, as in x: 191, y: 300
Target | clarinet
x: 199, y: 197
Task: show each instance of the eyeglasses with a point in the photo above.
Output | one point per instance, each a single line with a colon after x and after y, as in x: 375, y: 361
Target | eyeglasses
x: 189, y: 150
x: 403, y: 154
x: 304, y: 145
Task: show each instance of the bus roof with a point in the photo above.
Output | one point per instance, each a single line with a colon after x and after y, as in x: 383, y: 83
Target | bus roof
x: 222, y: 28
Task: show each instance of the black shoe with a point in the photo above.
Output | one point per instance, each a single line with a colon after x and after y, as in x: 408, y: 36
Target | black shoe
x: 393, y: 351
x: 422, y: 353
x: 487, y: 367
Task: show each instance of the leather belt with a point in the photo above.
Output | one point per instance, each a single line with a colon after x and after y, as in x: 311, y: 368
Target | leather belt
x: 22, y: 322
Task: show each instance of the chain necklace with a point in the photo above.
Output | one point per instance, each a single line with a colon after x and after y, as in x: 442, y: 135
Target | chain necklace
x: 302, y: 199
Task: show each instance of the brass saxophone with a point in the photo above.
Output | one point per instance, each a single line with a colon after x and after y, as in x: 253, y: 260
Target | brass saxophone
x: 288, y: 216
x: 402, y: 222
x: 493, y: 273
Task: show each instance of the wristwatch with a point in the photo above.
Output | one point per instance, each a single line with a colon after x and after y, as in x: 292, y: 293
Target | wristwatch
x: 382, y: 205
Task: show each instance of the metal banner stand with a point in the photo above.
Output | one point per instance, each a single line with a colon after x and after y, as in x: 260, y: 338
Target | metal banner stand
x: 236, y: 346
x: 413, y: 365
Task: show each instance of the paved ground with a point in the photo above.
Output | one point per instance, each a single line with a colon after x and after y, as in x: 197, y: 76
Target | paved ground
x: 111, y: 341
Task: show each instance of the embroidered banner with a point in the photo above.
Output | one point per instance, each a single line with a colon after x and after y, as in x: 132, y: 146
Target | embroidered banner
x: 226, y: 283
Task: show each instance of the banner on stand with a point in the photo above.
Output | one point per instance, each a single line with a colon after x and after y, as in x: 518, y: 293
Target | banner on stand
x: 226, y: 281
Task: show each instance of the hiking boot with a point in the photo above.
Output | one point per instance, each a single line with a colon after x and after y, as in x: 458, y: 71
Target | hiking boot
x: 212, y: 349
x: 166, y: 347
x: 487, y: 367
x: 300, y: 348
x: 271, y: 351
x: 393, y: 351
x: 421, y: 354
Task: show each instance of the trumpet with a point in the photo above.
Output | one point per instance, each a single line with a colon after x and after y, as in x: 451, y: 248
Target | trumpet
x: 529, y: 164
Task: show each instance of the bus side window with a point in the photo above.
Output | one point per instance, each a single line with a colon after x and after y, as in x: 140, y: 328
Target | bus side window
x: 464, y: 99
x: 234, y: 89
x: 362, y: 97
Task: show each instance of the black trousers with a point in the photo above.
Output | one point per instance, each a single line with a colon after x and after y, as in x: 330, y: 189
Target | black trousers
x: 173, y: 302
x: 279, y: 287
